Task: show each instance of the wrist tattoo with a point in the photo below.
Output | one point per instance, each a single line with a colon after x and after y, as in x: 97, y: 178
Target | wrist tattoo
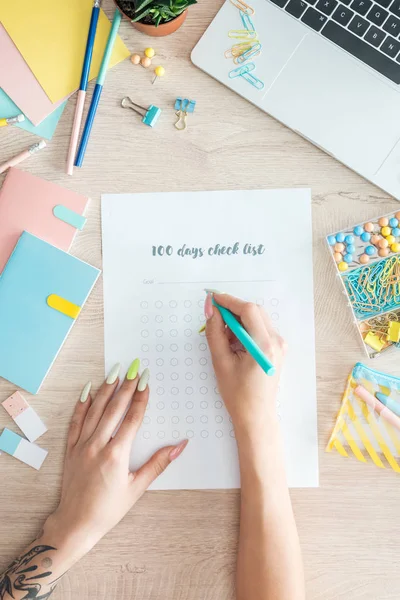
x: 28, y: 577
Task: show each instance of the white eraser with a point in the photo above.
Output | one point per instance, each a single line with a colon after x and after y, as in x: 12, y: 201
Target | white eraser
x: 24, y: 416
x: 20, y: 448
x: 30, y: 454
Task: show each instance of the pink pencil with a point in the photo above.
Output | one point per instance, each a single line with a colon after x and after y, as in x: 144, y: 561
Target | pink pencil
x: 22, y: 156
x: 380, y: 408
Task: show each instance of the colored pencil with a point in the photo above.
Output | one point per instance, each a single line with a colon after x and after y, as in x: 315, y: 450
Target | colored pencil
x: 12, y: 120
x: 22, y: 156
x: 98, y: 88
x: 375, y: 404
x: 246, y: 340
x: 80, y: 101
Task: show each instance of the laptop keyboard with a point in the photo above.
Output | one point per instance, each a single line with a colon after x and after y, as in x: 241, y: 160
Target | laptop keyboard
x: 368, y: 30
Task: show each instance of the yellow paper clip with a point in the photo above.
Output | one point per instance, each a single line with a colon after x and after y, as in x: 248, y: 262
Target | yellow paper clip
x: 243, y: 7
x: 252, y: 52
x: 242, y: 34
x: 239, y: 49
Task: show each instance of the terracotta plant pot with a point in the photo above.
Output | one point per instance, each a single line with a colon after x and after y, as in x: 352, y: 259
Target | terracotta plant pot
x: 161, y: 30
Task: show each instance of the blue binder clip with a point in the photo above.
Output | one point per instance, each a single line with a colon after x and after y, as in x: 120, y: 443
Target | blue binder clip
x: 183, y: 107
x: 149, y: 115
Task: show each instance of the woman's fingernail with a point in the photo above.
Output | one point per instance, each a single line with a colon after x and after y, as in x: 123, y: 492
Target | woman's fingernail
x: 175, y: 452
x: 85, y: 392
x: 143, y: 381
x: 208, y: 307
x: 211, y: 291
x: 113, y: 374
x: 133, y: 370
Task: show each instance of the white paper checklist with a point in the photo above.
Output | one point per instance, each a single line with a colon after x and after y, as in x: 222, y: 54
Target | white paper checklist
x: 159, y: 253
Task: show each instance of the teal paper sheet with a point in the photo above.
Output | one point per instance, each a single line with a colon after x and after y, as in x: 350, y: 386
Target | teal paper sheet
x: 45, y: 129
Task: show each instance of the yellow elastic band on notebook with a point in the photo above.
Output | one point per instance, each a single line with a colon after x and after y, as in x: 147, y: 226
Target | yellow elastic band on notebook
x: 370, y: 417
x: 63, y: 306
x: 364, y: 438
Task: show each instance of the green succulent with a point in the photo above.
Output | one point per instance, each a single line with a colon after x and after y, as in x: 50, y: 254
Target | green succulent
x: 160, y: 11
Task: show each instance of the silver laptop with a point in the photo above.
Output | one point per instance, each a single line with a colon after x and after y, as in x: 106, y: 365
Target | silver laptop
x: 330, y: 71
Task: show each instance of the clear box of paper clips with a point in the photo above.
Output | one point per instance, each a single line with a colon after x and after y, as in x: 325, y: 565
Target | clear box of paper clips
x: 367, y: 257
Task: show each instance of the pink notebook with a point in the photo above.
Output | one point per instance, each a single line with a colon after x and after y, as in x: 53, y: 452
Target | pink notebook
x: 18, y: 82
x: 44, y: 209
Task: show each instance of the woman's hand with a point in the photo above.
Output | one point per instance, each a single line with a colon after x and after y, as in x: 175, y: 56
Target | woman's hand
x: 249, y: 394
x: 98, y: 488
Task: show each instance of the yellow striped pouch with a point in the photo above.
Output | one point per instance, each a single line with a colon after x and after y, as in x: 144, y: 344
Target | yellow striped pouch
x: 359, y: 430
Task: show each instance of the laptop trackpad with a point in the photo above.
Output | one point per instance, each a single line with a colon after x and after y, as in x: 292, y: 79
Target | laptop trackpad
x: 338, y: 104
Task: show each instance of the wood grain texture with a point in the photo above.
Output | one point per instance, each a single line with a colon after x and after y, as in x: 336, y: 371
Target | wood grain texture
x: 182, y: 545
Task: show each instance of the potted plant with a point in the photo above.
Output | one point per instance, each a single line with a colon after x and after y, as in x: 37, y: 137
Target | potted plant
x: 155, y: 17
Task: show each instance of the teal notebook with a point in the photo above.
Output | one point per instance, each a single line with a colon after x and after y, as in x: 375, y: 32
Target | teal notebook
x: 42, y: 290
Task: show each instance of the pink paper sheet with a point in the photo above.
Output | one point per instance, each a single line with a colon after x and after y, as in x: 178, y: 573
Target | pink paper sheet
x: 18, y: 82
x: 26, y: 203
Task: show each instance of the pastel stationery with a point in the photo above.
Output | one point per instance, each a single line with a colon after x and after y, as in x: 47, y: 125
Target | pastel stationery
x: 30, y: 454
x: 365, y: 428
x: 45, y: 128
x: 24, y: 416
x: 19, y: 158
x: 376, y: 404
x: 61, y: 27
x: 367, y: 259
x: 80, y: 101
x: 98, y: 88
x: 30, y: 97
x: 387, y: 401
x: 171, y: 259
x: 41, y: 207
x: 12, y: 120
x: 149, y: 115
x: 33, y: 327
x: 245, y: 339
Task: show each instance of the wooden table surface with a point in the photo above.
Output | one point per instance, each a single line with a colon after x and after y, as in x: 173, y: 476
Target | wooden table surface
x: 182, y: 545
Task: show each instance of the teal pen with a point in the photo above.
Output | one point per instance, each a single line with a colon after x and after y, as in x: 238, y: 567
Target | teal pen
x: 389, y: 403
x: 252, y: 348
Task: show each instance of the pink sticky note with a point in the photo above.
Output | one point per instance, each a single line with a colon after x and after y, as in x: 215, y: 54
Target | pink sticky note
x: 15, y: 405
x: 18, y: 82
x: 27, y: 203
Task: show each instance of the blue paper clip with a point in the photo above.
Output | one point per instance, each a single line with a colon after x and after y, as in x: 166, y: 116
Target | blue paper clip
x: 252, y: 52
x: 151, y: 114
x: 255, y: 82
x: 185, y: 105
x: 247, y: 21
x: 242, y: 70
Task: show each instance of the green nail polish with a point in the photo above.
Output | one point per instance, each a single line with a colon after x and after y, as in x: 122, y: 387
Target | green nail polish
x: 133, y: 370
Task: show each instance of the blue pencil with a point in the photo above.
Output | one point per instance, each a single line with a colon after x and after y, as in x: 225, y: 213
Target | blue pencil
x: 246, y: 340
x: 80, y: 101
x: 98, y: 88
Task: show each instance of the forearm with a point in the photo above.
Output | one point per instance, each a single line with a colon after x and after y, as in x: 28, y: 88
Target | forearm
x: 269, y: 560
x: 35, y: 573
